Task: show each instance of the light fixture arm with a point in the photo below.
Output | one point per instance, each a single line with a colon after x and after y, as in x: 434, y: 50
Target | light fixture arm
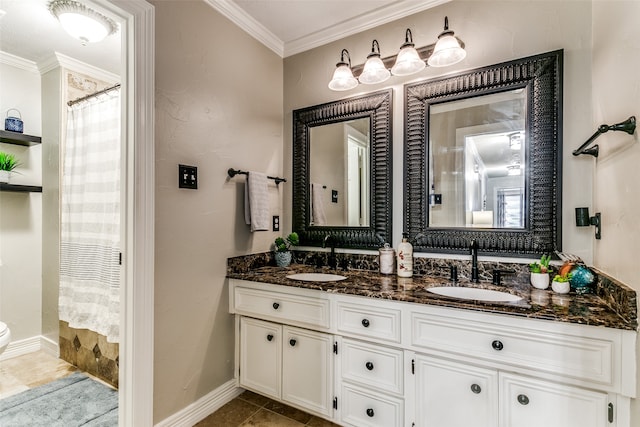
x: 628, y: 126
x: 374, y: 45
x: 342, y: 54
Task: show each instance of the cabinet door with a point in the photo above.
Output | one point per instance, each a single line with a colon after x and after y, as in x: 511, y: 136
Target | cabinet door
x: 260, y: 356
x: 527, y: 402
x: 454, y: 395
x: 307, y: 369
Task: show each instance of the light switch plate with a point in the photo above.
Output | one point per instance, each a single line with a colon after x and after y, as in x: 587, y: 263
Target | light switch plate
x: 187, y: 177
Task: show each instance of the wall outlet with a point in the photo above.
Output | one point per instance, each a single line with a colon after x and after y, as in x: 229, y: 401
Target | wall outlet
x: 187, y: 177
x: 276, y: 223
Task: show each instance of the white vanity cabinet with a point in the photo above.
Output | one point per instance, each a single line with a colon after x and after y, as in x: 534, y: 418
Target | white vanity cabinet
x: 367, y: 362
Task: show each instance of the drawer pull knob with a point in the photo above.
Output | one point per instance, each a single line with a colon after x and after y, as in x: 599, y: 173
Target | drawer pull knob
x: 365, y: 323
x: 269, y: 337
x: 275, y: 305
x: 476, y: 388
x: 523, y: 399
x: 497, y: 345
x: 369, y: 366
x: 370, y: 412
x: 292, y: 342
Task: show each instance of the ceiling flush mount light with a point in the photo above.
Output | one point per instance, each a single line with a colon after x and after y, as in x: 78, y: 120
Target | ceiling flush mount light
x: 408, y: 61
x: 80, y: 22
x: 448, y: 50
x: 343, y: 76
x: 374, y: 70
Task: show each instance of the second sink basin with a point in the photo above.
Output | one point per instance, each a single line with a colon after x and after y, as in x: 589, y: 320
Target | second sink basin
x: 476, y: 294
x: 316, y: 277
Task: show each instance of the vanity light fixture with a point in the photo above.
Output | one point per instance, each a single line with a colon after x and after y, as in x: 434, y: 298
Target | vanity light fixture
x: 81, y: 22
x: 408, y: 61
x: 374, y: 70
x: 343, y: 76
x: 583, y: 220
x: 448, y: 50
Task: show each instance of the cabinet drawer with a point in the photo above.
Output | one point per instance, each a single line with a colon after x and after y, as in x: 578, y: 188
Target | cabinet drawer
x: 368, y: 321
x: 366, y: 409
x: 371, y: 365
x: 278, y: 306
x: 565, y: 354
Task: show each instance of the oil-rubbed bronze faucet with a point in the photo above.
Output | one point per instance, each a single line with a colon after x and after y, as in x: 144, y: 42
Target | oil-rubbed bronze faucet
x: 474, y: 261
x: 333, y: 261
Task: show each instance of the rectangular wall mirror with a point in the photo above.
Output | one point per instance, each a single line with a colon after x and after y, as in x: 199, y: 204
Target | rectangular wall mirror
x: 342, y: 171
x: 483, y: 156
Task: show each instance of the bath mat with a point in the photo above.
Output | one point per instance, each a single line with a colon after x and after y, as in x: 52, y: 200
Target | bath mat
x: 76, y: 400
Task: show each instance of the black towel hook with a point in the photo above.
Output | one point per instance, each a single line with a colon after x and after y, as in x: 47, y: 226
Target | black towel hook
x: 628, y: 126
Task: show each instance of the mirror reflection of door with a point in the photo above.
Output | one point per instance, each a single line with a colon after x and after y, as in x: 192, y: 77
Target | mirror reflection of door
x: 339, y: 174
x: 477, y: 161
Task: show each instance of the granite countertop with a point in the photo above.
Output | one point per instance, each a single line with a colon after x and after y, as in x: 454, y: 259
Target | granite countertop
x: 589, y: 309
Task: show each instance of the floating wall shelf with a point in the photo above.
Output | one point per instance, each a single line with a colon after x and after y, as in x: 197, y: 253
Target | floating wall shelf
x: 16, y: 138
x: 20, y: 188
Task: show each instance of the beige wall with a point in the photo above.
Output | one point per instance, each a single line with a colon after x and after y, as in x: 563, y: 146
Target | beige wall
x: 218, y: 105
x: 21, y: 213
x: 616, y: 96
x: 493, y: 32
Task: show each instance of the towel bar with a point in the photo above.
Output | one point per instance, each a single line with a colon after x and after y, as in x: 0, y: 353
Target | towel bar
x: 233, y: 172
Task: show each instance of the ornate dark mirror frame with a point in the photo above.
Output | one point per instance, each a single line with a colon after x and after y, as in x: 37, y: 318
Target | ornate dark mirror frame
x: 541, y: 77
x: 376, y: 106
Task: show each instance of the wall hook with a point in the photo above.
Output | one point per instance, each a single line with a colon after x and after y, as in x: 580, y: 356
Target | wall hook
x: 628, y: 126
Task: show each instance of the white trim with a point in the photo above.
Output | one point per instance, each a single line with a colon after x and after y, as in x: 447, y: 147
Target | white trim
x: 203, y: 407
x: 336, y: 32
x: 16, y: 61
x: 57, y: 59
x: 137, y: 20
x: 30, y: 345
x: 242, y: 19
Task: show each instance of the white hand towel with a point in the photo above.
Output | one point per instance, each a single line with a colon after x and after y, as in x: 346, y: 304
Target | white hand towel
x: 256, y: 201
x: 318, y: 216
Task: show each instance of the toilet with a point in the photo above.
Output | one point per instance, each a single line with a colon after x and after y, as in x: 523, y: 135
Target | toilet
x: 5, y: 336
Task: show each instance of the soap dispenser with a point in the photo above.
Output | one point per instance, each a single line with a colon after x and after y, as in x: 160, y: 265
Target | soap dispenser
x: 405, y: 257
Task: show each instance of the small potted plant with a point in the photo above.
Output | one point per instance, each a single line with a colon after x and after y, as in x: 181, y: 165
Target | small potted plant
x: 561, y: 283
x: 282, y: 246
x: 540, y: 272
x: 8, y: 163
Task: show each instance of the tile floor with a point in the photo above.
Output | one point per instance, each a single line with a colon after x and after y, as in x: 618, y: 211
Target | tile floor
x: 31, y: 370
x: 251, y: 409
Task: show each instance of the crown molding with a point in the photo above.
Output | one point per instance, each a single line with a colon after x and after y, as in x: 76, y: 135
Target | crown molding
x: 246, y: 22
x: 361, y: 23
x: 336, y: 32
x: 59, y: 60
x: 16, y: 61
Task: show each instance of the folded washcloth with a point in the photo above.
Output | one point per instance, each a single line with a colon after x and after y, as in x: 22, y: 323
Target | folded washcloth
x: 318, y: 216
x: 256, y: 201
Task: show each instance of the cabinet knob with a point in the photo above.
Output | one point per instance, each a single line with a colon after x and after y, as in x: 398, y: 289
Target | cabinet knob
x: 292, y: 342
x: 523, y: 399
x: 369, y: 366
x: 365, y: 323
x: 497, y: 345
x: 476, y: 388
x: 370, y: 412
x: 275, y: 305
x: 269, y: 337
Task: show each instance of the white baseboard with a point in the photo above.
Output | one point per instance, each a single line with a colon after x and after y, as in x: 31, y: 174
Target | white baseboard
x: 203, y: 407
x: 29, y: 345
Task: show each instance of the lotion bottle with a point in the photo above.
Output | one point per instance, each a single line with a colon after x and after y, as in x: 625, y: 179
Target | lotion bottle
x: 405, y: 257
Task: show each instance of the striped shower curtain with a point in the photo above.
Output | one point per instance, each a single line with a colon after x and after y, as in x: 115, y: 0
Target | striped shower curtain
x: 90, y: 217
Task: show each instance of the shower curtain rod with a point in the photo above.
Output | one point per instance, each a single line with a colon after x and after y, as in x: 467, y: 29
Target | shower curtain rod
x: 100, y: 92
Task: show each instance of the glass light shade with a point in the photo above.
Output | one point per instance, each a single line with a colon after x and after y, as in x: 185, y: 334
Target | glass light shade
x: 374, y: 71
x: 83, y: 28
x: 408, y: 62
x: 343, y: 78
x: 446, y: 52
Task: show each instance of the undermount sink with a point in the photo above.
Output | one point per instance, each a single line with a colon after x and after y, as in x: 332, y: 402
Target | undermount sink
x: 316, y: 277
x: 476, y: 294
